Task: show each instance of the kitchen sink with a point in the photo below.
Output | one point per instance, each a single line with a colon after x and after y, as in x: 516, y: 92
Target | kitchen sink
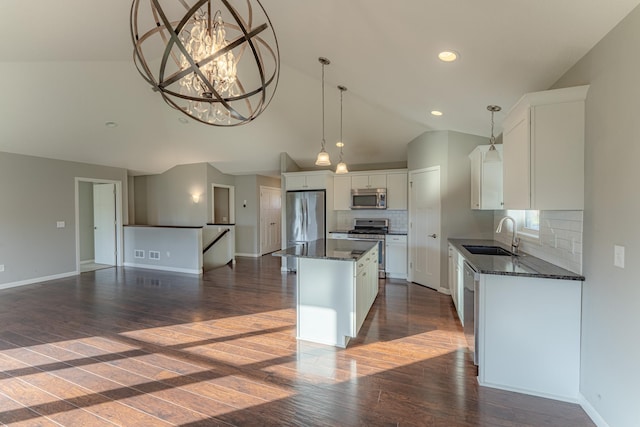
x: 487, y: 250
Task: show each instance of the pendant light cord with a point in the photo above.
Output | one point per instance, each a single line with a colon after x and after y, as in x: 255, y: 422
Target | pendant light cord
x: 323, y: 140
x: 341, y: 141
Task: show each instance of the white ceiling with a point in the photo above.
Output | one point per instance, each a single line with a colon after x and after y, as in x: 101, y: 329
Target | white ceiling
x: 66, y: 69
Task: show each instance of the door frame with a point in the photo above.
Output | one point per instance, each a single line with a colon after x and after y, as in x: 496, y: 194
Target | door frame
x: 118, y: 215
x: 410, y: 242
x: 232, y: 202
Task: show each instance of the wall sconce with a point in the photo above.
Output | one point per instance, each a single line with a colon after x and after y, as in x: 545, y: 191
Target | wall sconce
x: 195, y: 197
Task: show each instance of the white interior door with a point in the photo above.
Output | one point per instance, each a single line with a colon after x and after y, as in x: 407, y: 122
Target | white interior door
x: 270, y: 214
x: 104, y: 223
x: 424, y: 227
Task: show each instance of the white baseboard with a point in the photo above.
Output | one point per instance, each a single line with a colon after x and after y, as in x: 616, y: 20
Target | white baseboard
x: 38, y: 280
x: 164, y: 268
x: 591, y: 412
x: 445, y: 291
x: 552, y: 396
x: 88, y: 261
x: 248, y: 255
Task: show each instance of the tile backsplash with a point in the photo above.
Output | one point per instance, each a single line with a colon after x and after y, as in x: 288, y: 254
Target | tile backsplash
x: 560, y: 240
x: 398, y: 220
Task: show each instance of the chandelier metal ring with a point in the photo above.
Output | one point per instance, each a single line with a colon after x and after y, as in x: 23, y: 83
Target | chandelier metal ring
x: 195, y: 54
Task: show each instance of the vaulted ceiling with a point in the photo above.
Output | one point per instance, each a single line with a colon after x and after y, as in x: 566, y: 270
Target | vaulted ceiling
x: 66, y: 68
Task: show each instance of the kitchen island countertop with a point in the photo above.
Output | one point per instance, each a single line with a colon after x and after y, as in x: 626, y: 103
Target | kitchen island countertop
x: 338, y: 250
x: 523, y: 265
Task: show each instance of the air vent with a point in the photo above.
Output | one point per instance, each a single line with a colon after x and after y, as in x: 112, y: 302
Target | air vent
x: 154, y: 255
x: 138, y: 253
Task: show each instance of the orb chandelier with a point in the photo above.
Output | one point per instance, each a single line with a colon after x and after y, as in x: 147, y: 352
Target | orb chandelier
x: 342, y: 166
x: 218, y: 62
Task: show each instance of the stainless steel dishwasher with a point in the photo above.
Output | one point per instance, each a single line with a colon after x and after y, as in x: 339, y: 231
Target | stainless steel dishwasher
x: 471, y: 281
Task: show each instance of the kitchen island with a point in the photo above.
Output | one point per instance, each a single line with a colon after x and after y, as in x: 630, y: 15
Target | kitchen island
x: 526, y: 313
x: 337, y: 283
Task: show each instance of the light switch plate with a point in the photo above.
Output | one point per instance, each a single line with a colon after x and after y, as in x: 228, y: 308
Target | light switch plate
x: 1, y: 268
x: 60, y: 224
x: 618, y: 256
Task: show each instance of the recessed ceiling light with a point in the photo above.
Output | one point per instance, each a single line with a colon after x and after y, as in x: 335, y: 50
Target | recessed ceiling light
x: 436, y: 113
x: 111, y: 124
x: 448, y: 56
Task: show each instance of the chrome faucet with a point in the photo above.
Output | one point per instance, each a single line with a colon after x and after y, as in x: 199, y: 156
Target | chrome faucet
x: 515, y: 241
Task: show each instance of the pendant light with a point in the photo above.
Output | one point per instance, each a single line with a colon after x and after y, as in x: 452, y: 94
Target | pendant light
x: 342, y: 166
x: 323, y: 156
x: 492, y: 155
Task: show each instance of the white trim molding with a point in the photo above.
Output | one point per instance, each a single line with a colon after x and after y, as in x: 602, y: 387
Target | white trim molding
x: 591, y: 411
x: 38, y: 280
x: 163, y: 268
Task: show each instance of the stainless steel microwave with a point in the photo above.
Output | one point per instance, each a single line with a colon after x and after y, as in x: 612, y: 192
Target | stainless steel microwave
x: 369, y: 198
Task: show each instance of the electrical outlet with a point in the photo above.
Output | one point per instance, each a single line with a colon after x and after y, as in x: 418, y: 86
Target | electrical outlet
x: 60, y: 224
x: 618, y: 256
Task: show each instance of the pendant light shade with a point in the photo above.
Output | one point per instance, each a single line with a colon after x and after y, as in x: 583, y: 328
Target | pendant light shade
x: 492, y: 155
x: 323, y: 156
x: 342, y: 166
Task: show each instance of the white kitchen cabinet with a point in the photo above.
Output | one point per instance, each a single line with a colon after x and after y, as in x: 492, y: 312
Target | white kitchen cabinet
x: 396, y: 256
x: 529, y: 335
x: 543, y: 156
x: 397, y: 190
x: 378, y: 180
x: 456, y: 281
x: 486, y: 179
x: 307, y: 180
x: 342, y: 192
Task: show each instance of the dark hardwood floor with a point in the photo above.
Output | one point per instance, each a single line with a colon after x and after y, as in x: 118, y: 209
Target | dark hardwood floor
x: 143, y: 348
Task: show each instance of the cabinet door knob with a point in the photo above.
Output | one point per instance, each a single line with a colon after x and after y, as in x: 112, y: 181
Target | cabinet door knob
x: 434, y: 235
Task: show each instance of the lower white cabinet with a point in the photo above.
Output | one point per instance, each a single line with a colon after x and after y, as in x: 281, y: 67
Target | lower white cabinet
x: 396, y: 256
x: 334, y: 297
x: 529, y: 335
x: 456, y: 281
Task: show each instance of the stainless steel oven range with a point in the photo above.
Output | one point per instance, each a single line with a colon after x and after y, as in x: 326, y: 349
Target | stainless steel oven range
x: 370, y: 229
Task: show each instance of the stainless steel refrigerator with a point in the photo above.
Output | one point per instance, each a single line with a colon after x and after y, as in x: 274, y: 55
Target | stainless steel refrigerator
x: 305, y: 219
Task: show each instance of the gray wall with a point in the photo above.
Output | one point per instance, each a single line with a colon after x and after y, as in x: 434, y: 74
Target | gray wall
x: 85, y: 220
x: 36, y: 193
x: 248, y: 217
x: 611, y: 295
x: 450, y: 151
x: 166, y: 199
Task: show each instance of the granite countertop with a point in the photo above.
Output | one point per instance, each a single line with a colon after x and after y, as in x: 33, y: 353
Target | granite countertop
x: 338, y: 250
x: 522, y: 265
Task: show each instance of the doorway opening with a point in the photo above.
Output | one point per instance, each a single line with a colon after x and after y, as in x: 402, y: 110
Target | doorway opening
x: 223, y: 204
x: 98, y: 224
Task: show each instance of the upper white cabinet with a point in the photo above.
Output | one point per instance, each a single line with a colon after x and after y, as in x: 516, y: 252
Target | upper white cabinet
x: 543, y: 157
x: 486, y: 179
x: 394, y: 180
x: 378, y: 180
x: 306, y: 180
x: 397, y: 191
x: 342, y: 192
